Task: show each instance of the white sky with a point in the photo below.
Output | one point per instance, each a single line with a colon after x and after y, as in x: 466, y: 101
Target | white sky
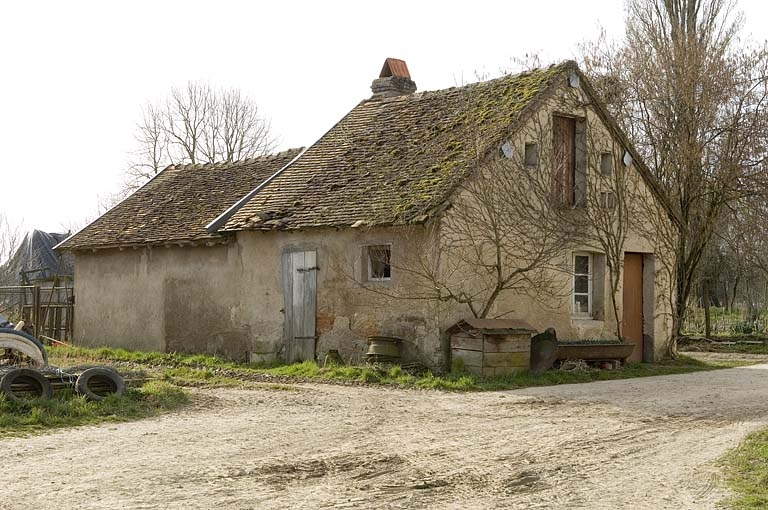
x: 75, y: 74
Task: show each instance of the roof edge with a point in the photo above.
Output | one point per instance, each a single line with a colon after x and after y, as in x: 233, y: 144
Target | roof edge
x: 639, y: 162
x: 208, y: 241
x: 97, y: 218
x: 221, y: 220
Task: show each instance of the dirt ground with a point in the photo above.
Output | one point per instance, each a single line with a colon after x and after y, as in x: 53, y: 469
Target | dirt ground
x: 640, y: 443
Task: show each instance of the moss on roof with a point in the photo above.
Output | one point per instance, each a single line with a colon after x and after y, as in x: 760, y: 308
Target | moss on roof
x: 392, y: 161
x: 178, y: 203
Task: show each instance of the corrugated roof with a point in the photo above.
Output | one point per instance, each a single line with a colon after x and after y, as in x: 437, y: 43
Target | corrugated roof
x: 395, y: 160
x: 178, y: 203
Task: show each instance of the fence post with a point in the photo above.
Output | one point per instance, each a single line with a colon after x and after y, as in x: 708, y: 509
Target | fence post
x: 39, y: 327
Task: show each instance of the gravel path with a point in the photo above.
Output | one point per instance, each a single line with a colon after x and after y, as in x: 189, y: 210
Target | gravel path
x: 640, y: 443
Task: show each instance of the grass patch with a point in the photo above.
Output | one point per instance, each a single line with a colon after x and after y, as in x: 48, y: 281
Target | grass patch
x: 201, y: 370
x: 60, y: 355
x: 746, y: 472
x: 186, y: 376
x: 396, y: 376
x: 67, y: 409
x: 738, y: 348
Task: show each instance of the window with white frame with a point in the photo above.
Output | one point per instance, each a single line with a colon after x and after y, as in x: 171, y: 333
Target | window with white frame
x: 378, y: 259
x: 582, y: 285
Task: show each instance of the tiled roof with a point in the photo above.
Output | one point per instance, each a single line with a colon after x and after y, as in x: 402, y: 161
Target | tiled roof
x: 178, y: 203
x: 394, y: 160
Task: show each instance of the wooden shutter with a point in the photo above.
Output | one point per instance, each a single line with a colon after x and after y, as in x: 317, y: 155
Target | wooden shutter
x: 564, y: 159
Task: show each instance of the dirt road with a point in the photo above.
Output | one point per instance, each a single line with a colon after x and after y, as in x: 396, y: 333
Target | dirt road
x: 640, y: 443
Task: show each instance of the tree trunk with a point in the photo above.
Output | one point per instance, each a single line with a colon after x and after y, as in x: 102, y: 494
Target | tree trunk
x: 705, y: 304
x: 733, y: 293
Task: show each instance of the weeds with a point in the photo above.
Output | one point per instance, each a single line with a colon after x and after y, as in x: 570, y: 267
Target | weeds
x: 746, y: 471
x: 67, y: 409
x: 201, y: 370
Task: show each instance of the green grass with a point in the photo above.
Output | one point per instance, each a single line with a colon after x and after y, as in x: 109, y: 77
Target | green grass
x: 740, y: 348
x: 67, y: 409
x: 746, y: 472
x: 201, y: 370
x: 186, y: 376
x: 65, y: 355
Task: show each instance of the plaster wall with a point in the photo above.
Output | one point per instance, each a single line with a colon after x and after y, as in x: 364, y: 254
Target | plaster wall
x: 228, y: 299
x: 555, y: 309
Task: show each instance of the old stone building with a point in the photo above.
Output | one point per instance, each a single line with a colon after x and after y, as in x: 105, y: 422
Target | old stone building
x: 290, y: 255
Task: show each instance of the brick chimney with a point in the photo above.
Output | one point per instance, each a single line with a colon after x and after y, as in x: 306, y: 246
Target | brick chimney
x: 394, y: 80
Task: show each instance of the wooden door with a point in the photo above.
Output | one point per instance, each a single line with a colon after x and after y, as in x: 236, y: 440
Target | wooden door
x: 632, y: 323
x: 300, y: 291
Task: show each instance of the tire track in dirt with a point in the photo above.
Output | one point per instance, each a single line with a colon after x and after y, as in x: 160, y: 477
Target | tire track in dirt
x: 642, y: 443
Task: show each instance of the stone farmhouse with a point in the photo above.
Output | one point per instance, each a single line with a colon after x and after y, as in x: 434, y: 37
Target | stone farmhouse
x: 290, y: 255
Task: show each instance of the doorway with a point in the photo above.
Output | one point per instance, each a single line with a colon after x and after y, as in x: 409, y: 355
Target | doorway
x: 632, y: 318
x: 300, y: 291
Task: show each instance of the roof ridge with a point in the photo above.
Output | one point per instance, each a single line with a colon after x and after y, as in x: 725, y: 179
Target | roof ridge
x: 230, y: 163
x: 560, y: 66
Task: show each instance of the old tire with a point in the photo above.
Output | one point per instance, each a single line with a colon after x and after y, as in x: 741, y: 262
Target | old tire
x: 98, y: 383
x: 20, y: 384
x: 25, y: 344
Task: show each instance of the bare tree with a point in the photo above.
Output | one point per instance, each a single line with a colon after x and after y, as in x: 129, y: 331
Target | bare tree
x: 10, y: 240
x: 694, y: 102
x: 613, y: 200
x: 507, y: 230
x: 197, y: 124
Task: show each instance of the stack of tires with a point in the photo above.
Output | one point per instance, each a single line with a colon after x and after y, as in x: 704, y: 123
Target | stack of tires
x: 40, y: 379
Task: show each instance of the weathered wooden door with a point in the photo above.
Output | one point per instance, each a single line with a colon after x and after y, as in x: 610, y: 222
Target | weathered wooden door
x: 632, y: 323
x: 300, y: 291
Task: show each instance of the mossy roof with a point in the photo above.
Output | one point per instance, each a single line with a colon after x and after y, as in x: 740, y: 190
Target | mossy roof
x: 395, y: 160
x: 177, y: 204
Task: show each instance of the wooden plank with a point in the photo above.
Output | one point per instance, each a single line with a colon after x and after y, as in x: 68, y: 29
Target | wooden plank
x: 309, y: 319
x: 288, y: 305
x: 301, y: 312
x: 468, y: 358
x: 580, y: 164
x: 507, y: 359
x: 467, y: 342
x: 500, y: 371
x: 507, y: 343
x: 472, y: 369
x: 632, y: 312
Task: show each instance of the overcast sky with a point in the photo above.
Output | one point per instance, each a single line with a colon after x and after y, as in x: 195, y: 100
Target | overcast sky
x: 75, y: 74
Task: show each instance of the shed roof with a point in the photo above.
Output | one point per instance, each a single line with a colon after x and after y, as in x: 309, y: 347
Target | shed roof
x: 491, y: 326
x: 177, y: 204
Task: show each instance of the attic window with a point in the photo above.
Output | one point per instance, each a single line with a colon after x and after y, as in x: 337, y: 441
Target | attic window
x: 606, y: 164
x: 531, y: 154
x: 378, y: 258
x: 627, y: 159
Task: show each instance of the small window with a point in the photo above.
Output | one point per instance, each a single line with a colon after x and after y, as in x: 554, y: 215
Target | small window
x: 582, y: 285
x: 379, y: 262
x: 531, y: 154
x: 606, y: 164
x: 608, y: 200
